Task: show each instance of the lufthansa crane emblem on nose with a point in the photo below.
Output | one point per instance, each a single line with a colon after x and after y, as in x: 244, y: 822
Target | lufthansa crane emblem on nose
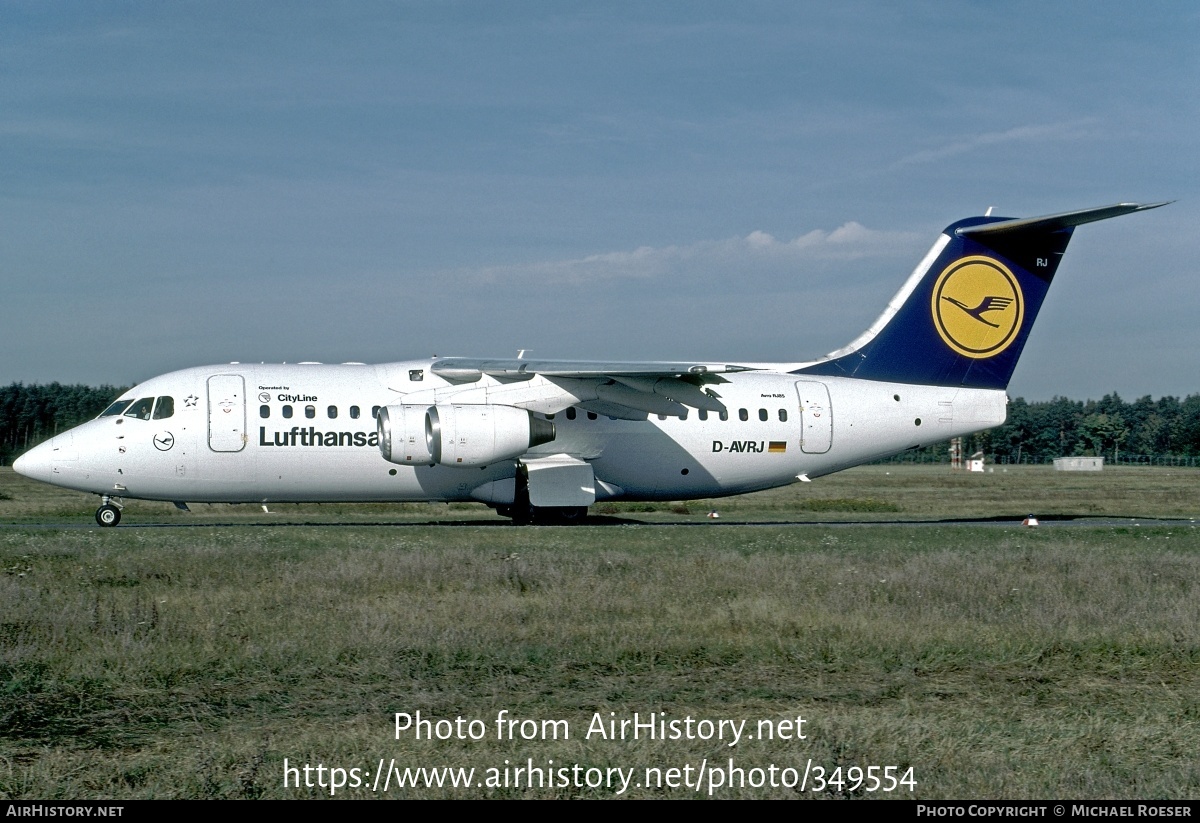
x: 163, y: 441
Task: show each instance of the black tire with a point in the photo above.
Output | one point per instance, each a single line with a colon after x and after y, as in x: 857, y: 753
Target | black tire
x: 520, y: 511
x: 572, y: 515
x: 108, y: 515
x: 559, y: 515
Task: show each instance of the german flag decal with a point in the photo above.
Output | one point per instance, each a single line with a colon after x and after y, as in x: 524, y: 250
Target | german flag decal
x: 777, y: 447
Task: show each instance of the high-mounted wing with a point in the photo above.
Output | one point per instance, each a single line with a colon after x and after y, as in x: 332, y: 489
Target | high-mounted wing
x: 613, y: 388
x: 466, y: 369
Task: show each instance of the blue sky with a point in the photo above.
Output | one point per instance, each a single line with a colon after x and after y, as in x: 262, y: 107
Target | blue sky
x: 198, y: 183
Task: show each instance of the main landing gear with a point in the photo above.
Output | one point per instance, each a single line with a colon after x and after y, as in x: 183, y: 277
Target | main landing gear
x: 544, y: 515
x: 523, y: 513
x: 109, y: 513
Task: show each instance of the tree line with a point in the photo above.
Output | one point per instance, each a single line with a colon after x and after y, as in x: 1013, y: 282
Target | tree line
x: 1143, y: 430
x: 31, y: 414
x: 1034, y: 433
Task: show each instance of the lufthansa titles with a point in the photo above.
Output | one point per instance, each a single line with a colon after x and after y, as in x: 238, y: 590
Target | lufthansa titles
x: 310, y: 436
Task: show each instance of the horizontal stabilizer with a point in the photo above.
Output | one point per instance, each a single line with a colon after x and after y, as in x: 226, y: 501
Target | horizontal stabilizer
x: 1054, y: 222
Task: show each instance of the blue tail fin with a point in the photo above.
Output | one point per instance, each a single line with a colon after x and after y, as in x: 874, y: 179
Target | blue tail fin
x: 963, y: 316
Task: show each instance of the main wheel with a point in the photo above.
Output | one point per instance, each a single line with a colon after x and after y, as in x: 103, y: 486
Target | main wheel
x: 108, y: 515
x: 572, y: 515
x: 559, y: 515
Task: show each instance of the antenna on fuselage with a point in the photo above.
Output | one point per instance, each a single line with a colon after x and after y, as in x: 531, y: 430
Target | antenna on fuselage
x: 521, y: 353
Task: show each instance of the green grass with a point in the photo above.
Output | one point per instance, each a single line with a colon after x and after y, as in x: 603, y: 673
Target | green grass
x: 867, y: 493
x: 995, y: 661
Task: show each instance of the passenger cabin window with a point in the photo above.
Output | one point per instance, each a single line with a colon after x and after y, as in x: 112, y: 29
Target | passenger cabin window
x: 762, y: 415
x: 591, y: 415
x: 354, y: 412
x: 141, y: 408
x: 115, y: 409
x: 287, y: 411
x: 374, y: 412
x: 783, y: 415
x: 164, y: 407
x: 724, y: 415
x: 310, y: 412
x: 571, y: 413
x: 703, y: 414
x: 264, y: 411
x: 332, y: 412
x: 743, y: 414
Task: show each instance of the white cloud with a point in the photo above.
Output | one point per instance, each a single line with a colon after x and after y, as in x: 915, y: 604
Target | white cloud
x: 847, y: 242
x: 1049, y: 132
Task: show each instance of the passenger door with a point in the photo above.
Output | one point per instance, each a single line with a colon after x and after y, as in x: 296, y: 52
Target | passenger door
x: 226, y: 413
x: 816, y: 417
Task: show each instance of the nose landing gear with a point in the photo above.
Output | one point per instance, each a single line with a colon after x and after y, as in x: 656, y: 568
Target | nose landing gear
x: 109, y: 513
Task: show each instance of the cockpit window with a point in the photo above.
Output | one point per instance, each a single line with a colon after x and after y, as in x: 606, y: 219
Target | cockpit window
x: 116, y: 408
x: 164, y: 407
x: 140, y: 408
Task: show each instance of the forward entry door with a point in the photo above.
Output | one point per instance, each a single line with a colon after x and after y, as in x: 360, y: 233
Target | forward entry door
x: 226, y: 413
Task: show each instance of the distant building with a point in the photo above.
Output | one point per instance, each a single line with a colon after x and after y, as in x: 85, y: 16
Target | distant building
x: 1078, y: 464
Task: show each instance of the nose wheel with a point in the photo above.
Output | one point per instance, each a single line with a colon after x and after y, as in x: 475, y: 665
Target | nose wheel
x: 108, y: 514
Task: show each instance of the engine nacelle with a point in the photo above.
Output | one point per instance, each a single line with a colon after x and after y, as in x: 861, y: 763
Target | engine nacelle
x: 459, y: 435
x: 404, y: 434
x: 479, y: 435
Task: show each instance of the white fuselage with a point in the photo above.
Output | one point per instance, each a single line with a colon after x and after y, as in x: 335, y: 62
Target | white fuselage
x: 307, y: 433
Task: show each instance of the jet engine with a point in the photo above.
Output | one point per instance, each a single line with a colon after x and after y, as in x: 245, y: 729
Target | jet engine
x: 458, y: 435
x: 404, y: 434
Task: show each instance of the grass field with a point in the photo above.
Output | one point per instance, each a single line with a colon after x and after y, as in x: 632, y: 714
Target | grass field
x: 993, y: 661
x: 868, y: 493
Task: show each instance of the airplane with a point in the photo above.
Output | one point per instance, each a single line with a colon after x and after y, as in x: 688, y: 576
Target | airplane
x: 540, y: 441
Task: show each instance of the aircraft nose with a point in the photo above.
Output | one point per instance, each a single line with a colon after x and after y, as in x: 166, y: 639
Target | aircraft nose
x: 35, y: 463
